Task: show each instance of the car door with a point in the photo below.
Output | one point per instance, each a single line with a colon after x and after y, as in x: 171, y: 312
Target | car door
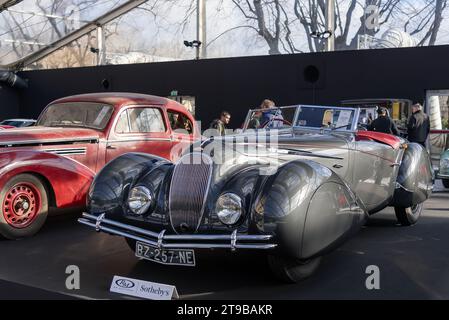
x: 375, y: 171
x: 182, y: 132
x: 140, y: 129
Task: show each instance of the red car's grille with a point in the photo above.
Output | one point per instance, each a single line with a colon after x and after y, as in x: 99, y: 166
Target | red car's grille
x: 188, y: 191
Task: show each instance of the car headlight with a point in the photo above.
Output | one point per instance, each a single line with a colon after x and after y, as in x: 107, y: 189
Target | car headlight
x: 139, y: 200
x: 444, y: 163
x: 229, y: 208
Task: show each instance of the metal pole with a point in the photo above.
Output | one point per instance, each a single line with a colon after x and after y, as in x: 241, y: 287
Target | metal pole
x: 201, y: 29
x: 330, y: 24
x: 101, y: 54
x: 51, y: 16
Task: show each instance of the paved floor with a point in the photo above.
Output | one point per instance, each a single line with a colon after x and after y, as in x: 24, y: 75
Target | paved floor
x: 413, y: 262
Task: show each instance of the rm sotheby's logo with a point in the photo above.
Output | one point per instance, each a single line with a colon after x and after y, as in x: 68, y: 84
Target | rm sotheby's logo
x: 152, y: 290
x: 143, y: 289
x: 125, y: 283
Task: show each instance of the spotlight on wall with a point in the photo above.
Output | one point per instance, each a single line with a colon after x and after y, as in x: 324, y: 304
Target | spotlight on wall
x: 321, y: 35
x: 94, y: 50
x: 193, y: 44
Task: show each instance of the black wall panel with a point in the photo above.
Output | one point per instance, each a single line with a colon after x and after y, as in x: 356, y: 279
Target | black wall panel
x: 9, y: 103
x: 237, y: 84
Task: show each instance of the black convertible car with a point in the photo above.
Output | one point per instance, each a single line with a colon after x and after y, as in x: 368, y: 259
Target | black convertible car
x: 295, y: 190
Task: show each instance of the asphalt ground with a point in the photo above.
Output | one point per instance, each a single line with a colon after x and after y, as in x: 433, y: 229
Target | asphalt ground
x: 413, y: 264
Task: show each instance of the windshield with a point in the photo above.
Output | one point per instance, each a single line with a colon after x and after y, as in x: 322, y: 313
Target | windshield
x: 76, y: 114
x: 314, y: 117
x: 271, y: 118
x: 17, y: 123
x: 397, y: 110
x: 325, y: 117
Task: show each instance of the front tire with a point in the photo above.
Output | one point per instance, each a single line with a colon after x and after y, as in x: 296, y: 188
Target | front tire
x: 408, y: 216
x: 445, y: 183
x: 292, y: 270
x: 24, y: 206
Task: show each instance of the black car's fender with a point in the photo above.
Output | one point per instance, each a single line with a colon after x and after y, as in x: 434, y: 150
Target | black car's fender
x: 110, y: 187
x: 308, y: 207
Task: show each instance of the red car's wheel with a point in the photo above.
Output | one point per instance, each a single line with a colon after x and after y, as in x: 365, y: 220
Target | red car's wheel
x: 24, y: 205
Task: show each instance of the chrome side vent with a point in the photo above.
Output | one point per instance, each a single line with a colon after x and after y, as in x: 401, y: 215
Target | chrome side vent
x: 188, y: 191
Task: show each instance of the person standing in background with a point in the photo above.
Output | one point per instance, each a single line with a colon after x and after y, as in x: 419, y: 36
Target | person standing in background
x: 220, y: 124
x: 267, y: 114
x: 383, y: 123
x: 418, y: 125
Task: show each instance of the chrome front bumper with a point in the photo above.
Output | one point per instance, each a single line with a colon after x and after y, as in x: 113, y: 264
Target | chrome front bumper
x: 190, y: 241
x: 442, y: 176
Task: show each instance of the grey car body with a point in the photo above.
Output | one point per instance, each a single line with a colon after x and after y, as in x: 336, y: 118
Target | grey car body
x: 443, y: 170
x: 300, y: 197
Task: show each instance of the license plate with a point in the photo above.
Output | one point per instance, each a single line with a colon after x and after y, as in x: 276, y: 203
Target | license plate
x: 180, y: 257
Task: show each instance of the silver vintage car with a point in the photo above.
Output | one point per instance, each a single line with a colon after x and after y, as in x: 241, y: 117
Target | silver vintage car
x: 294, y: 183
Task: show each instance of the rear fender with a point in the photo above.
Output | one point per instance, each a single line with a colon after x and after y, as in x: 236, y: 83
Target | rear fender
x: 415, y: 178
x: 68, y: 179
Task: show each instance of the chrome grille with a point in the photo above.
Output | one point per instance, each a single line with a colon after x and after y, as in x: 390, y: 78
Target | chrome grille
x: 188, y: 191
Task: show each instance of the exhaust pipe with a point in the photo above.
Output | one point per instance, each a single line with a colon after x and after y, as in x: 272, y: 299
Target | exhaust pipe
x: 13, y: 80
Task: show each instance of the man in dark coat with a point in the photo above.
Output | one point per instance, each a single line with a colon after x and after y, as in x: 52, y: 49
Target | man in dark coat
x: 383, y: 123
x: 418, y: 126
x: 220, y: 124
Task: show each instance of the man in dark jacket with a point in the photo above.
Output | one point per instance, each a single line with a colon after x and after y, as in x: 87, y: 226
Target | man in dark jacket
x: 383, y: 123
x: 418, y: 126
x: 220, y: 124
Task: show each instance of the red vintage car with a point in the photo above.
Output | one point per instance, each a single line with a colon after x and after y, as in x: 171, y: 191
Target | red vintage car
x: 53, y: 163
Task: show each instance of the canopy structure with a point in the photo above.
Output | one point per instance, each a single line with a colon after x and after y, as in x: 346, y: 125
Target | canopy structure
x: 5, y: 4
x: 32, y: 30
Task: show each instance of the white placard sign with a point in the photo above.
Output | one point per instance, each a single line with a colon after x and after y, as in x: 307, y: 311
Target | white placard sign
x: 143, y: 289
x: 343, y: 118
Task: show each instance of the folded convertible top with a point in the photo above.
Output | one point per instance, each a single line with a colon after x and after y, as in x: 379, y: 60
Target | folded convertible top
x: 385, y: 138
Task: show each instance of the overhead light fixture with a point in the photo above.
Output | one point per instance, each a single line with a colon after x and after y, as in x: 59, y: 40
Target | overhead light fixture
x: 321, y: 35
x: 193, y: 44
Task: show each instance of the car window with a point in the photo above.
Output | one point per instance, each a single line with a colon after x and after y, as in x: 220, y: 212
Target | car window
x: 76, y: 114
x: 179, y: 122
x: 122, y: 123
x: 146, y: 120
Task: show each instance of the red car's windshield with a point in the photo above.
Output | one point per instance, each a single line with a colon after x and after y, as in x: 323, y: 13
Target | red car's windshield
x: 76, y: 114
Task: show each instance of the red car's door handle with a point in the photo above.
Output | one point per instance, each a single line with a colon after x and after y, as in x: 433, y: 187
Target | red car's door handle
x: 110, y: 147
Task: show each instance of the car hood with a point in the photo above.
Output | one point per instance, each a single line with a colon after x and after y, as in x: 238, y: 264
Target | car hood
x: 46, y: 135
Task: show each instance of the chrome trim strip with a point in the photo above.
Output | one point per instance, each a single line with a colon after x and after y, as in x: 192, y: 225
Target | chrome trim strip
x: 137, y: 140
x: 70, y: 153
x: 400, y: 186
x: 396, y: 164
x: 11, y: 143
x: 67, y: 151
x: 99, y: 223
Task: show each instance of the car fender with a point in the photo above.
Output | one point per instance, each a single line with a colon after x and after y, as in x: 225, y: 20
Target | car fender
x: 68, y: 179
x: 110, y: 187
x: 415, y: 177
x: 309, y: 208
